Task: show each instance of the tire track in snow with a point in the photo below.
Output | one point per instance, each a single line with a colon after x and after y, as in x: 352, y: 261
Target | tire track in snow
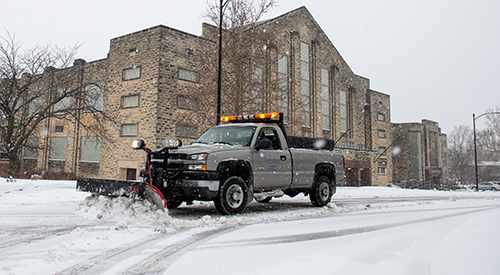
x: 24, y: 235
x: 98, y: 263
x: 144, y: 256
x: 335, y: 233
x: 160, y: 262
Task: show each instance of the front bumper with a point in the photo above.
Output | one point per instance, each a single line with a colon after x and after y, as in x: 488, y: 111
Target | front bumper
x: 198, y: 185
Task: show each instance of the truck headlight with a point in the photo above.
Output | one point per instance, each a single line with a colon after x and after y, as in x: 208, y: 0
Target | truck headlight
x: 197, y: 157
x: 198, y: 162
x: 201, y: 167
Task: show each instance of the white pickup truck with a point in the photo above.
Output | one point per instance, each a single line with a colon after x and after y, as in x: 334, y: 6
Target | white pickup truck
x: 245, y: 157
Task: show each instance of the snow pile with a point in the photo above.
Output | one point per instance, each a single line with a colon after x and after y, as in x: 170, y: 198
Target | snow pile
x: 122, y: 210
x: 132, y: 213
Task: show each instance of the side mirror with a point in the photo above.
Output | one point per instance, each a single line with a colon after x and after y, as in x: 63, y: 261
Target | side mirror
x: 138, y: 144
x: 264, y: 144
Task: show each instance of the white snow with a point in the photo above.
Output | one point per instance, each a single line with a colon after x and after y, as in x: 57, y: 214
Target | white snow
x: 47, y: 227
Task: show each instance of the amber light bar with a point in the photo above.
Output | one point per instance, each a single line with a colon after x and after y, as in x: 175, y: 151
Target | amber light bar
x: 241, y: 118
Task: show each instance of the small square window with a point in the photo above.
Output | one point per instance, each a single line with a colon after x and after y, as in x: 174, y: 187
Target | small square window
x: 59, y: 129
x: 381, y: 117
x: 382, y: 162
x: 132, y: 73
x: 382, y: 170
x: 185, y: 102
x: 128, y: 130
x: 381, y: 134
x: 186, y: 131
x: 188, y: 75
x: 381, y: 150
x: 130, y: 101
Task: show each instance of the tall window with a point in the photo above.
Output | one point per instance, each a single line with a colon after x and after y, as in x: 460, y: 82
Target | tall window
x: 325, y: 100
x: 64, y: 104
x: 305, y: 89
x: 257, y: 90
x: 35, y: 105
x: 283, y: 85
x: 94, y: 96
x: 382, y: 166
x: 57, y: 148
x: 91, y: 149
x: 30, y: 149
x: 343, y: 111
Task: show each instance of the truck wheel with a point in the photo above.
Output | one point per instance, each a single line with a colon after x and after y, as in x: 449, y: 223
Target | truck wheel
x: 232, y: 197
x: 321, y: 192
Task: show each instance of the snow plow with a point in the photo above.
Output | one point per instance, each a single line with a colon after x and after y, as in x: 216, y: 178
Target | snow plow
x: 143, y: 189
x: 126, y: 188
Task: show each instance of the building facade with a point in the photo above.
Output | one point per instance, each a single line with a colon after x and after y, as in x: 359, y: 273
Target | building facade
x: 420, y: 154
x: 147, y: 73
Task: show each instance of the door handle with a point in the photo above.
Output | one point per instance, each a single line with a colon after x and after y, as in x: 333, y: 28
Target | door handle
x: 283, y: 158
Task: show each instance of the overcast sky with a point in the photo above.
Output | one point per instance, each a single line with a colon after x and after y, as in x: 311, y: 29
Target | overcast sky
x: 437, y: 59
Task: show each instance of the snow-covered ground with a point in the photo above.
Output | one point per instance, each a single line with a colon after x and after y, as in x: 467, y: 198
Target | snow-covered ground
x: 47, y: 227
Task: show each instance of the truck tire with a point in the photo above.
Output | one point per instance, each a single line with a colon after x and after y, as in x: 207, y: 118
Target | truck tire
x: 322, y: 191
x: 232, y: 197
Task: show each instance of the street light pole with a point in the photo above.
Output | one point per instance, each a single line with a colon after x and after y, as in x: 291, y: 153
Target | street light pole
x: 219, y: 76
x: 475, y: 149
x: 475, y: 145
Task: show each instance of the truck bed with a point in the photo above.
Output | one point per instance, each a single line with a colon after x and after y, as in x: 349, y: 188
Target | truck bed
x: 313, y: 143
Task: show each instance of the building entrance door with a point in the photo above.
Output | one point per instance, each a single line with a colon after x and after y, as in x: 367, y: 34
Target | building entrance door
x: 358, y: 173
x: 131, y: 174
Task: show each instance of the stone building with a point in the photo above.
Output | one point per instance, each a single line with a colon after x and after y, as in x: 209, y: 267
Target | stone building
x: 147, y: 73
x: 63, y: 145
x: 420, y: 154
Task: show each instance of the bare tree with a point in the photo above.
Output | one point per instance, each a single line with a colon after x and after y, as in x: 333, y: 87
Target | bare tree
x: 38, y: 84
x: 493, y: 120
x: 491, y: 140
x: 461, y: 154
x: 244, y: 53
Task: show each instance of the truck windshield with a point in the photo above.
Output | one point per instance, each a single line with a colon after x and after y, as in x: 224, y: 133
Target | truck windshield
x: 231, y: 135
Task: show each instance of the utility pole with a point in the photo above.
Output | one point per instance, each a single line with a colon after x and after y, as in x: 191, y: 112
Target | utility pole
x: 219, y: 76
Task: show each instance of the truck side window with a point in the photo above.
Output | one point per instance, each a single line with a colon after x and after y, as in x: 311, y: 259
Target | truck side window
x: 272, y: 135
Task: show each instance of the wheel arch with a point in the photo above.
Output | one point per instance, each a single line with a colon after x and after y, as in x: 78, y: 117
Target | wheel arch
x: 325, y: 169
x: 240, y: 168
